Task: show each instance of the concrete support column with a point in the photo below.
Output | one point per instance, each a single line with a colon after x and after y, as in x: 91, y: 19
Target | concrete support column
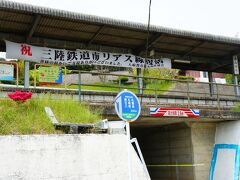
x: 26, y: 74
x: 203, y: 136
x: 235, y: 73
x: 211, y: 86
x: 140, y: 80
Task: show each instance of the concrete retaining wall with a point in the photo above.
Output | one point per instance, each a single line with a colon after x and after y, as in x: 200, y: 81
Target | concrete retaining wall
x: 68, y: 157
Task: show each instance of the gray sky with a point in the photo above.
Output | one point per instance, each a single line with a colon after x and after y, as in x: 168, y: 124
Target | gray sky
x: 220, y: 17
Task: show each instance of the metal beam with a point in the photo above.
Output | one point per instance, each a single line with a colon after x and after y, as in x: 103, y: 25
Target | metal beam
x: 33, y: 27
x: 153, y: 40
x: 190, y: 46
x: 57, y: 43
x: 181, y: 55
x: 96, y: 34
x: 220, y: 66
x: 193, y: 48
x: 235, y: 52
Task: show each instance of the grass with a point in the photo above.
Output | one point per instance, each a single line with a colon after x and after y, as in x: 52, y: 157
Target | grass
x: 236, y: 108
x: 30, y: 117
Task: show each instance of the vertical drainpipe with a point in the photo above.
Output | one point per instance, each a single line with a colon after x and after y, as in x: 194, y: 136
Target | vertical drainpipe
x: 211, y: 86
x: 235, y: 73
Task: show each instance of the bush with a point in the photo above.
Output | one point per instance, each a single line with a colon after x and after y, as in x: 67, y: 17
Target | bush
x: 8, y: 82
x: 158, y: 73
x: 185, y: 78
x: 123, y: 79
x: 20, y: 82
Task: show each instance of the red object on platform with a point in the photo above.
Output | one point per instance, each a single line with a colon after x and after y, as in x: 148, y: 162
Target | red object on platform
x: 20, y: 96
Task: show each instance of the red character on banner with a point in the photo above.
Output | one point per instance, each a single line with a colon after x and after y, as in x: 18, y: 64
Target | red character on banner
x: 26, y: 50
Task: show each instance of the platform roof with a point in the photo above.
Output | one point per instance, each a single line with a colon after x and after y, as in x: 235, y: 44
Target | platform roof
x: 63, y: 29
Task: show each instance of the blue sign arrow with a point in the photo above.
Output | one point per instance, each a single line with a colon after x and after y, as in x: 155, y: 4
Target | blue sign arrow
x: 127, y: 106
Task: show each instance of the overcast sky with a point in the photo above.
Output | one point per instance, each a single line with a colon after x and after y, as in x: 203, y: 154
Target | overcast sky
x: 220, y: 17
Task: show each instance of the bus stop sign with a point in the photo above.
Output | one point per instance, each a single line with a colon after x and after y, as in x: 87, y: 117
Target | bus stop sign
x: 127, y: 106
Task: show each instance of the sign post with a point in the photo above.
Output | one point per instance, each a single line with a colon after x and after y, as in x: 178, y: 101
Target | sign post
x: 128, y: 109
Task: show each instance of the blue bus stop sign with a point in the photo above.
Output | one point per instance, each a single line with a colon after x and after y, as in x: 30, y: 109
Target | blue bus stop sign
x: 127, y: 106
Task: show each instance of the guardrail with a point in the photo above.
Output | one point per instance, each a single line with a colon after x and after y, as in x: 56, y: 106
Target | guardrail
x: 153, y: 86
x: 113, y: 82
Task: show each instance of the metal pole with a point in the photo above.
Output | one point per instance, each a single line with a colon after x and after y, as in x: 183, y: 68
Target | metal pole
x: 26, y: 74
x: 129, y: 144
x: 35, y: 75
x: 188, y: 94
x: 156, y: 94
x: 218, y: 98
x: 211, y: 85
x: 134, y: 140
x: 119, y: 84
x: 236, y: 86
x: 236, y: 72
x: 65, y: 74
x: 79, y: 86
x: 140, y: 80
x: 17, y: 76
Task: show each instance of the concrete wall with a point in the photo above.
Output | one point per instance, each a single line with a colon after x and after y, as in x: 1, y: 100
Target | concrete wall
x: 203, y: 135
x: 167, y: 145
x: 68, y: 157
x: 226, y: 157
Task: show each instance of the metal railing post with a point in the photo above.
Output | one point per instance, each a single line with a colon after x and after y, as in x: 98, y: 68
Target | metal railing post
x: 218, y: 99
x: 79, y: 86
x: 156, y: 96
x: 140, y: 80
x: 188, y: 94
x: 119, y: 83
x: 65, y: 74
x: 35, y: 75
x: 17, y: 76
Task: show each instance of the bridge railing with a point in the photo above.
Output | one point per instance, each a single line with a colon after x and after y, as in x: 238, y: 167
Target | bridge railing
x: 154, y: 86
x: 113, y: 82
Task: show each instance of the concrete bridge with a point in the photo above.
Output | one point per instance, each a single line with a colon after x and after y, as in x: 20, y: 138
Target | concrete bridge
x: 178, y: 148
x: 173, y: 148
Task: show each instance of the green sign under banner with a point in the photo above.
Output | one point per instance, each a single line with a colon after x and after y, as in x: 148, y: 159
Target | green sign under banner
x: 50, y: 75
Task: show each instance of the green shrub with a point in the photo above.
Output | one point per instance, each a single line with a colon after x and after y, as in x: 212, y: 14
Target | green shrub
x: 20, y: 82
x: 123, y: 79
x: 185, y: 78
x: 8, y: 82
